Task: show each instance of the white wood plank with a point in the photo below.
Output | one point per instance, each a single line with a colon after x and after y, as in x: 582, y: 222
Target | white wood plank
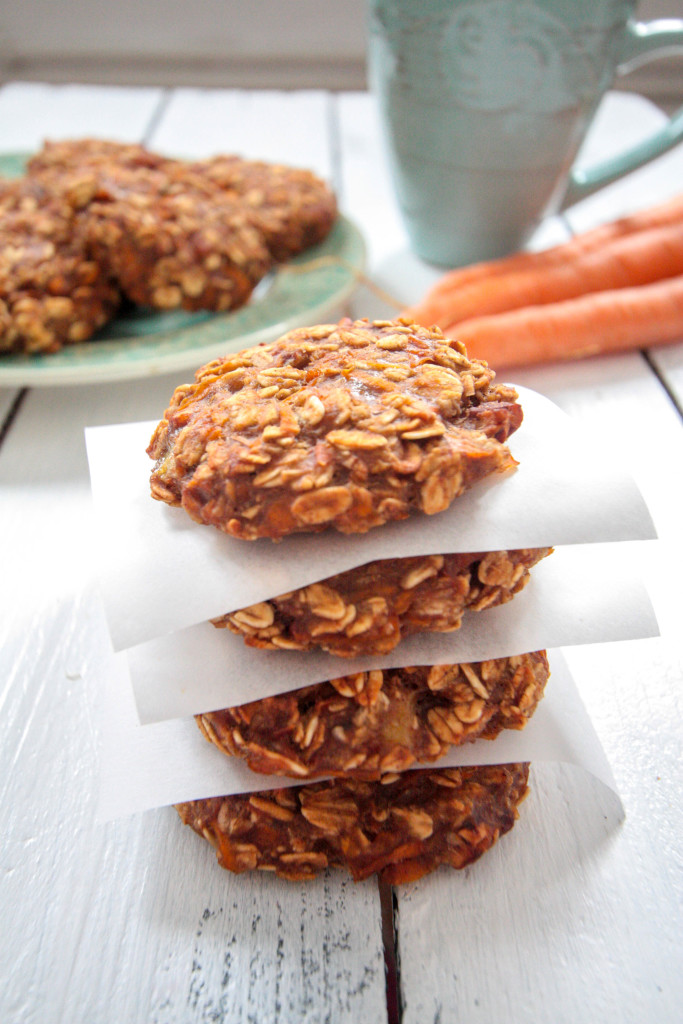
x: 292, y: 127
x: 31, y: 112
x: 135, y: 920
x: 573, y: 916
x: 546, y: 927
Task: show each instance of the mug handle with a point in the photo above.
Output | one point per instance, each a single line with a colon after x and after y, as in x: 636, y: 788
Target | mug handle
x: 644, y: 41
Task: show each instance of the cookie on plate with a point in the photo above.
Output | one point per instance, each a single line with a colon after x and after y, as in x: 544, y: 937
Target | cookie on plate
x: 367, y: 610
x: 400, y: 829
x: 346, y: 425
x: 371, y: 723
x: 52, y: 292
x: 294, y: 208
x: 173, y: 242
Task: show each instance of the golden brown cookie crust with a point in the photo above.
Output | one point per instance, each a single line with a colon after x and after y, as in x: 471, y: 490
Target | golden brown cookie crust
x: 369, y: 609
x: 346, y: 425
x: 400, y: 830
x: 371, y: 723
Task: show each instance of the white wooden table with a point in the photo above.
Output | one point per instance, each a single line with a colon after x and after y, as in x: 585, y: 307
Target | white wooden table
x: 575, y: 916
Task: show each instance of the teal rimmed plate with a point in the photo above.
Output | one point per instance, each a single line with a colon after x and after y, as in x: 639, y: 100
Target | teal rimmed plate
x: 145, y: 343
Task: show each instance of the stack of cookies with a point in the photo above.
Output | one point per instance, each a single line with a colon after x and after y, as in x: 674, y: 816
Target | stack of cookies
x: 348, y: 427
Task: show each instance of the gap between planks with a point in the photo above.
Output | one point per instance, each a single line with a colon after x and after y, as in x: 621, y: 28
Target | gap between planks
x: 155, y: 118
x: 12, y: 413
x: 663, y: 381
x: 389, y: 907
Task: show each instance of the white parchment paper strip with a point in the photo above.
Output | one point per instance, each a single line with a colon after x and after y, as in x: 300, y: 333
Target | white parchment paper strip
x: 146, y: 766
x: 578, y: 595
x: 160, y: 572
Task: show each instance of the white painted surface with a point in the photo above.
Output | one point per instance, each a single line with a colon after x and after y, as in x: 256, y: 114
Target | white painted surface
x: 32, y: 112
x: 573, y: 916
x: 267, y: 125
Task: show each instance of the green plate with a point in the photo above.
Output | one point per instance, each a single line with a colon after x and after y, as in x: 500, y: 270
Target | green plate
x: 145, y: 342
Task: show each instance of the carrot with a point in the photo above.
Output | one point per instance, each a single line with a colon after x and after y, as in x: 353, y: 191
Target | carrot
x: 450, y: 288
x: 610, y: 321
x: 635, y: 259
x: 587, y: 241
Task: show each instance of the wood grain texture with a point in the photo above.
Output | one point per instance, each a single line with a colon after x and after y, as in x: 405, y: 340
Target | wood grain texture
x: 190, y: 941
x: 134, y: 920
x: 545, y: 945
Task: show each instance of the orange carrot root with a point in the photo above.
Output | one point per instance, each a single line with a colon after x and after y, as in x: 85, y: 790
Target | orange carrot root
x: 632, y: 259
x: 616, y: 320
x: 588, y: 241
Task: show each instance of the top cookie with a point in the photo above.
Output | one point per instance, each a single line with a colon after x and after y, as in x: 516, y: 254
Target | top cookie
x: 346, y: 425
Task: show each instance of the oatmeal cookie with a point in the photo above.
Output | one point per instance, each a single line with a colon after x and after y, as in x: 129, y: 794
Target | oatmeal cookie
x: 52, y: 293
x: 170, y: 240
x: 367, y: 610
x: 365, y: 725
x: 346, y: 425
x: 294, y: 208
x: 401, y: 828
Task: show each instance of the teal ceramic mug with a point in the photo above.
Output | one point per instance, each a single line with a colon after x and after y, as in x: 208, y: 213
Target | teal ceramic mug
x: 485, y: 103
